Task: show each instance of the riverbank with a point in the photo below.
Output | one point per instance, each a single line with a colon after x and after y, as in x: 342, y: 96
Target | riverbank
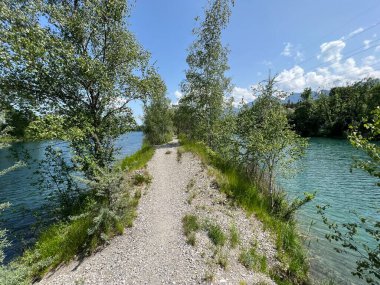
x: 156, y: 250
x: 187, y: 231
x: 89, y: 227
x: 293, y: 264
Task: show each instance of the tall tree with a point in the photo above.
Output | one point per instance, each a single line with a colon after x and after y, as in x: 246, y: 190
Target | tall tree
x: 79, y: 60
x: 270, y: 146
x: 206, y: 82
x: 158, y: 117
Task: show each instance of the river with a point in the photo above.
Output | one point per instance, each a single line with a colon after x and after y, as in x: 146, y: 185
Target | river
x: 17, y: 188
x: 326, y: 169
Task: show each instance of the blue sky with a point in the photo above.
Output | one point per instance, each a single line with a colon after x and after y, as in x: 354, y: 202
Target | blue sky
x: 306, y: 42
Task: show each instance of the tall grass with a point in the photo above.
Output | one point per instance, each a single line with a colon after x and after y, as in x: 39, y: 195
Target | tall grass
x: 139, y: 159
x: 239, y: 187
x: 95, y: 222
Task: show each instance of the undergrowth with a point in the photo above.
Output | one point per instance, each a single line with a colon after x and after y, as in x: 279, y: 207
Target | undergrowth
x: 190, y: 226
x: 237, y: 186
x: 108, y: 207
x: 139, y: 159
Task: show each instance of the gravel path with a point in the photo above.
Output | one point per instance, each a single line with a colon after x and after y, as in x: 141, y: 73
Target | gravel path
x: 154, y: 250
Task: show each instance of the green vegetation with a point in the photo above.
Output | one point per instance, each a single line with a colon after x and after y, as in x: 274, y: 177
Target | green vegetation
x: 139, y: 159
x: 158, y: 124
x: 190, y: 226
x: 190, y: 185
x: 252, y: 260
x: 91, y: 225
x: 221, y: 257
x: 271, y: 147
x: 239, y: 187
x: 180, y: 151
x: 141, y: 178
x: 234, y: 236
x: 205, y: 84
x: 215, y: 233
x: 330, y: 113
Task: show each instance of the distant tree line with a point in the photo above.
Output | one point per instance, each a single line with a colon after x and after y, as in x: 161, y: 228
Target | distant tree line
x: 330, y: 113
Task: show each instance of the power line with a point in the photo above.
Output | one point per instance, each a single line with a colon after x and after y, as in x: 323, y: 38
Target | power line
x: 352, y: 53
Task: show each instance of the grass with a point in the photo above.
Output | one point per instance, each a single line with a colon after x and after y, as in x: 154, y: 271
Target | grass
x: 180, y: 151
x: 62, y: 241
x: 190, y: 226
x: 191, y: 197
x: 221, y: 258
x: 215, y: 234
x: 139, y: 159
x: 238, y: 187
x: 141, y: 178
x: 190, y: 185
x: 252, y: 260
x: 234, y: 236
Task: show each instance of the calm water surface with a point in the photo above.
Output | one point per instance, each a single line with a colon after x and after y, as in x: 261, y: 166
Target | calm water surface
x: 16, y: 187
x: 326, y: 169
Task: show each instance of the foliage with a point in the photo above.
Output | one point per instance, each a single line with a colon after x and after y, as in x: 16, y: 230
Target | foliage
x: 206, y: 83
x: 252, y: 260
x: 347, y: 234
x: 330, y: 113
x: 234, y: 236
x: 158, y: 124
x: 56, y: 178
x: 216, y: 234
x: 139, y: 159
x: 3, y: 238
x: 141, y: 178
x: 269, y: 146
x: 235, y: 182
x: 82, y: 65
x: 190, y: 225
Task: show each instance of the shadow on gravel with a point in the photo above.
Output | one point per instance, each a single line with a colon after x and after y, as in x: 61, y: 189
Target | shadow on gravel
x: 171, y: 144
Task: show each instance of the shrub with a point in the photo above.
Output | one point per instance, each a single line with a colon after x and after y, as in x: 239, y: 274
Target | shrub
x: 190, y: 226
x: 216, y: 234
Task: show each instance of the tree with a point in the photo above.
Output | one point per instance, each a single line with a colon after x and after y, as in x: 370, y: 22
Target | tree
x: 305, y: 115
x: 158, y: 117
x: 82, y: 64
x: 270, y: 146
x: 206, y: 83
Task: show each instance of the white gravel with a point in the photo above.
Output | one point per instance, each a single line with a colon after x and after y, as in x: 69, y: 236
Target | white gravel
x: 154, y: 250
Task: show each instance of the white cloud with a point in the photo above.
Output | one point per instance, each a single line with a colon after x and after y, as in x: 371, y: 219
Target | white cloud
x: 287, y: 49
x: 370, y: 60
x: 291, y: 51
x: 338, y: 72
x: 178, y: 94
x: 367, y: 43
x: 242, y: 95
x: 377, y: 48
x: 332, y: 51
x: 353, y: 33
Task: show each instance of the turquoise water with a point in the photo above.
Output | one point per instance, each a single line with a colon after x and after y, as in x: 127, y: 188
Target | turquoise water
x: 326, y: 169
x: 27, y: 200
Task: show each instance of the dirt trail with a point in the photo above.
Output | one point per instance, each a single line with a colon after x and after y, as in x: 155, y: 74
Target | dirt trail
x: 154, y: 250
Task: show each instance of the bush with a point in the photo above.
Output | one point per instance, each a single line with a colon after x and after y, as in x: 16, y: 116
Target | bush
x: 216, y: 234
x: 190, y: 226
